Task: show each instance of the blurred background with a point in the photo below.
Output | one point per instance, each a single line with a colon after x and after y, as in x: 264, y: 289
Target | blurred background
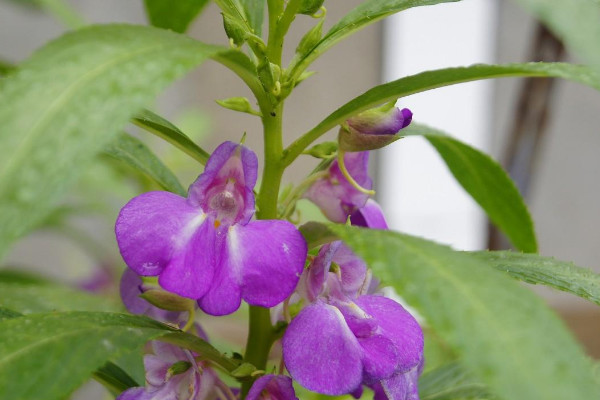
x: 543, y: 131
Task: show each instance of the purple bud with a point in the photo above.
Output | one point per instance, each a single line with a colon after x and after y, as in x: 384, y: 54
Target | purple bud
x: 374, y: 128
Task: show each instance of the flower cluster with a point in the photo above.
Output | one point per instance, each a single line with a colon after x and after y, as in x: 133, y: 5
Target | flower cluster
x: 207, y: 248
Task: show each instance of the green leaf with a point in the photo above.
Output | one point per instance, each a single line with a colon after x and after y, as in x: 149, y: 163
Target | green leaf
x: 114, y: 378
x: 485, y: 180
x: 575, y: 22
x: 174, y: 15
x: 365, y: 14
x: 439, y: 78
x: 30, y: 298
x: 538, y: 270
x: 5, y: 313
x: 505, y: 336
x: 165, y: 130
x: 255, y: 10
x: 69, y: 100
x: 450, y: 382
x: 136, y: 154
x: 81, y: 342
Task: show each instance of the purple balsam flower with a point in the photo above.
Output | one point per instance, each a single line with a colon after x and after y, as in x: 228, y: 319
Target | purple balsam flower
x: 374, y: 128
x: 346, y: 338
x: 335, y: 195
x: 173, y: 374
x: 369, y: 216
x: 205, y: 247
x: 272, y: 387
x: 401, y: 386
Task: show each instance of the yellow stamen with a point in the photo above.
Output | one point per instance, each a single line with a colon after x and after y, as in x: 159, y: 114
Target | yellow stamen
x: 217, y: 223
x: 349, y: 177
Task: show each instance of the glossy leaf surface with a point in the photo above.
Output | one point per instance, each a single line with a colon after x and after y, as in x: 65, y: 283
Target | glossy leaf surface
x: 485, y: 180
x: 538, y: 270
x: 30, y: 347
x: 173, y: 15
x: 136, y: 154
x: 363, y: 15
x: 439, y: 78
x: 69, y: 100
x: 505, y: 335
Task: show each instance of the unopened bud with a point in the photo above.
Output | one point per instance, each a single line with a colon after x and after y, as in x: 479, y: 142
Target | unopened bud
x: 373, y: 129
x: 244, y: 370
x: 240, y: 104
x: 178, y: 368
x: 309, y: 7
x: 325, y: 150
x: 167, y: 300
x: 234, y: 29
x: 310, y: 39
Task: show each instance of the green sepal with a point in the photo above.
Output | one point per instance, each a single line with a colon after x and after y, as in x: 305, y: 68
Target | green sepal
x: 241, y: 104
x: 178, y: 368
x: 310, y: 39
x: 268, y: 73
x: 234, y: 29
x: 243, y: 371
x: 167, y: 300
x: 325, y: 150
x: 309, y: 7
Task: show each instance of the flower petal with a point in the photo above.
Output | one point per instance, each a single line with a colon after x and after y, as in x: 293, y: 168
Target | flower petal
x: 156, y: 369
x: 370, y: 216
x: 334, y: 195
x: 312, y: 281
x: 229, y: 160
x: 150, y: 229
x: 353, y: 271
x: 402, y: 386
x: 191, y: 269
x: 399, y: 326
x: 135, y: 393
x: 224, y: 295
x: 320, y: 351
x: 270, y: 256
x: 130, y: 288
x: 380, y: 357
x: 276, y: 387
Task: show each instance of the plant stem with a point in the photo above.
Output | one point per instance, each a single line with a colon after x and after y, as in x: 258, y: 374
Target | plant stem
x: 261, y: 335
x: 273, y: 49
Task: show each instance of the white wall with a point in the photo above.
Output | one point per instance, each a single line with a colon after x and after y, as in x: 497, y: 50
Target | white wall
x: 416, y: 190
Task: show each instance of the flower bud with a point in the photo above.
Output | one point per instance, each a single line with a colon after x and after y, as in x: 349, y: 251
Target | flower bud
x: 309, y: 7
x: 167, y: 300
x: 178, y: 368
x: 373, y: 129
x: 240, y: 104
x: 234, y: 29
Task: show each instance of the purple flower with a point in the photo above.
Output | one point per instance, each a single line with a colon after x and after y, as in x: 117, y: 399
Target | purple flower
x: 335, y: 195
x: 205, y: 247
x: 173, y: 374
x: 272, y: 387
x: 369, y: 216
x: 374, y: 128
x: 402, y: 386
x: 345, y: 337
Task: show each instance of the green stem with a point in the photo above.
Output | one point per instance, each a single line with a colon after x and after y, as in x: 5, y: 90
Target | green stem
x: 273, y: 50
x: 261, y: 334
